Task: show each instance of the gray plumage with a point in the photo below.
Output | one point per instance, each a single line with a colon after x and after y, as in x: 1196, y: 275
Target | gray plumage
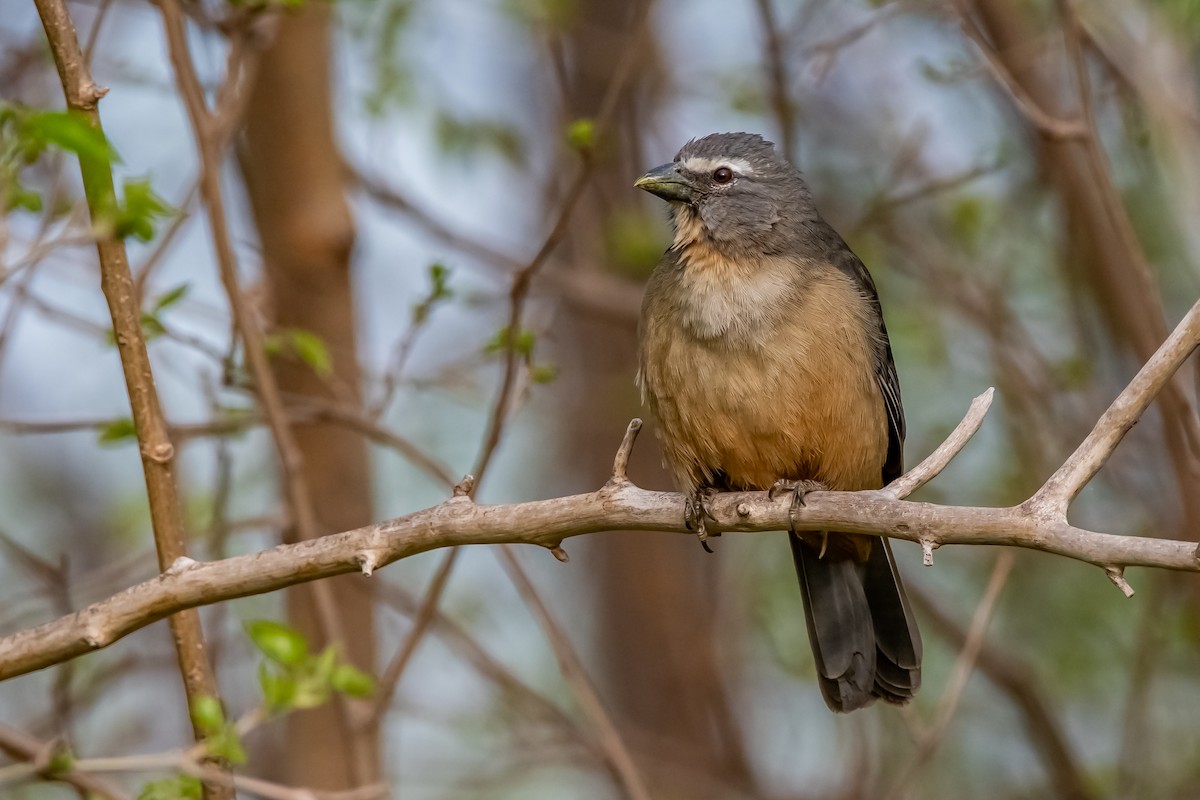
x: 764, y: 357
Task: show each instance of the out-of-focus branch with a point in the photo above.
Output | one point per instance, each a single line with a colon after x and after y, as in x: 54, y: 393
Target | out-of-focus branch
x: 37, y: 754
x: 964, y: 666
x: 522, y: 280
x: 191, y: 761
x: 1046, y: 124
x: 618, y: 758
x: 116, y: 281
x: 776, y: 71
x: 358, y: 761
x: 1046, y: 733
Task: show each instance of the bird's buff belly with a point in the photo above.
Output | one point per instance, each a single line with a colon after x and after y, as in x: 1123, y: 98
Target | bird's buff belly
x: 747, y: 422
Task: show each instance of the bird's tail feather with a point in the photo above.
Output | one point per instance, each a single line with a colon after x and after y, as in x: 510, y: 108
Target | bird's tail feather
x: 863, y: 635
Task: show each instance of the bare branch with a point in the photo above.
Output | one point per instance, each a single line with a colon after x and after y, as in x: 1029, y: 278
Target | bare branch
x: 936, y: 461
x: 617, y: 506
x: 1066, y: 483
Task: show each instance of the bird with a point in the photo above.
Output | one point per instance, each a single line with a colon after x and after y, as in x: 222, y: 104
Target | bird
x: 765, y: 360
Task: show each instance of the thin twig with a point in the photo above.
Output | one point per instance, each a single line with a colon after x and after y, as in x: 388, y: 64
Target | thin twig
x: 206, y: 130
x: 933, y: 464
x: 522, y: 280
x: 1045, y: 123
x: 1065, y: 484
x: 390, y: 678
x: 775, y: 66
x: 1048, y: 740
x: 620, y: 470
x: 21, y: 745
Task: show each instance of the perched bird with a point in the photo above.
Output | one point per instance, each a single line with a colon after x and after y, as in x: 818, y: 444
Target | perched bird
x: 765, y: 359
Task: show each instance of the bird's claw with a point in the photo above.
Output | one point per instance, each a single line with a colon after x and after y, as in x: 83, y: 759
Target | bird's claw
x: 695, y: 510
x: 799, y: 490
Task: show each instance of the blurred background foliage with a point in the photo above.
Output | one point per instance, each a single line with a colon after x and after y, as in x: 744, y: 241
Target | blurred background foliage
x: 1022, y: 178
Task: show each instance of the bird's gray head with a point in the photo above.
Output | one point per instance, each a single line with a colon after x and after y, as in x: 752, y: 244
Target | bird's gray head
x: 735, y: 191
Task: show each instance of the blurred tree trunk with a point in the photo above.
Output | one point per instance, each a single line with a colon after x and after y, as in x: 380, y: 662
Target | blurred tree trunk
x: 293, y: 173
x: 655, y: 610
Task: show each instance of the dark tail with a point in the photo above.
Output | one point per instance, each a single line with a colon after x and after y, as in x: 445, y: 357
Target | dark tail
x: 863, y: 634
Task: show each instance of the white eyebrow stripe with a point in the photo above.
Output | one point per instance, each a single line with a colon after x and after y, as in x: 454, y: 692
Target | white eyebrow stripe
x: 702, y: 164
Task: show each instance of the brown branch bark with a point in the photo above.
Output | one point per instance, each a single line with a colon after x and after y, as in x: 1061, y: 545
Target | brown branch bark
x: 618, y: 505
x: 116, y: 281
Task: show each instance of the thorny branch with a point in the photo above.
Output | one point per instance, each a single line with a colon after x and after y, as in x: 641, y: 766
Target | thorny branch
x: 1039, y: 524
x: 157, y: 451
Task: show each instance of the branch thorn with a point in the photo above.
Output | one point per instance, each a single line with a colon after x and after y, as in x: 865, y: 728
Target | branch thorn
x: 367, y: 562
x: 927, y: 548
x: 621, y: 461
x: 464, y: 487
x: 1117, y: 576
x: 559, y: 553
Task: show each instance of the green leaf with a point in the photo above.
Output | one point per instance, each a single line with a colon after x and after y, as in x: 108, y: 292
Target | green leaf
x: 171, y: 297
x: 543, y: 373
x: 117, y: 431
x: 581, y: 135
x: 152, y: 327
x: 522, y: 344
x: 304, y: 345
x: 278, y: 642
x: 62, y: 760
x: 140, y: 207
x: 321, y: 668
x: 182, y: 787
x: 351, y: 681
x: 18, y: 197
x: 465, y: 138
x: 312, y: 350
x: 554, y: 14
x: 439, y: 273
x: 226, y: 744
x: 70, y: 131
x: 311, y: 693
x: 279, y: 691
x: 208, y: 715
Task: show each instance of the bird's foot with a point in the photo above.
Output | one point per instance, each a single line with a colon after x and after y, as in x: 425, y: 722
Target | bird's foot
x: 799, y: 490
x: 695, y: 512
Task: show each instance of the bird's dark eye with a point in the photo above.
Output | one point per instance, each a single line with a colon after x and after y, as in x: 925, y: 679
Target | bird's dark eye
x: 723, y: 175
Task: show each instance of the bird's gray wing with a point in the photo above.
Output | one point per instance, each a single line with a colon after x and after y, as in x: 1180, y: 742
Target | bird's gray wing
x: 841, y: 256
